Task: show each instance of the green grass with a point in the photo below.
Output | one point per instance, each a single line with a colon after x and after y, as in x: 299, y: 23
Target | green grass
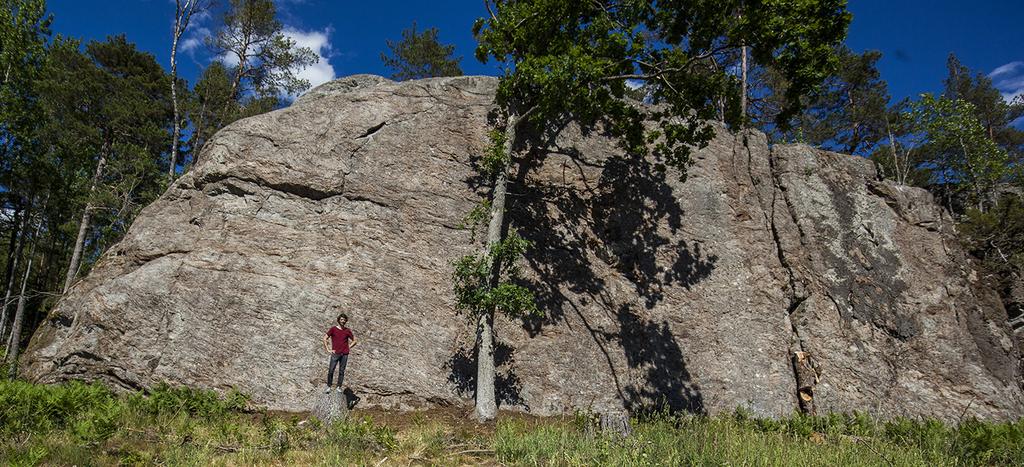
x: 80, y: 424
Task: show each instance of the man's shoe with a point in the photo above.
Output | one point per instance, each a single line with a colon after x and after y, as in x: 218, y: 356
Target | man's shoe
x: 328, y: 390
x: 338, y: 389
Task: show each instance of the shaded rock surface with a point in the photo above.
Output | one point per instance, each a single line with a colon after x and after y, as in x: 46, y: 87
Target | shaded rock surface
x: 695, y: 295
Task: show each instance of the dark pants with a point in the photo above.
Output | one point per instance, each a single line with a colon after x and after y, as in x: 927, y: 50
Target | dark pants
x: 340, y: 361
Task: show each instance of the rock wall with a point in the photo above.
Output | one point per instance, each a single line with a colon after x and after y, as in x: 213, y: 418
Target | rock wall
x: 697, y: 295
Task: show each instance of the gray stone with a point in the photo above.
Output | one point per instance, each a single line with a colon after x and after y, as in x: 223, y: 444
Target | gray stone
x: 696, y: 295
x: 328, y: 407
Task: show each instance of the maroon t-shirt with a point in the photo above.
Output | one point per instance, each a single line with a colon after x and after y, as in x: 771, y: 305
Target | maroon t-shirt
x: 339, y: 339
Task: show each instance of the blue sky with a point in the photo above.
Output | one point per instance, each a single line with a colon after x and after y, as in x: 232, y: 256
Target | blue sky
x: 915, y: 36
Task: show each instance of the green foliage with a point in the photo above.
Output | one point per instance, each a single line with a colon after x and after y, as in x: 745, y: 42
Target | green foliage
x: 110, y: 102
x: 495, y: 158
x: 477, y: 291
x: 958, y: 148
x: 164, y: 398
x: 92, y: 413
x: 996, y: 237
x: 476, y: 216
x: 26, y: 407
x: 994, y: 113
x: 266, y: 60
x: 362, y: 435
x: 420, y: 56
x: 571, y: 60
x: 836, y: 439
x: 848, y: 113
x: 86, y: 424
x: 24, y: 28
x: 210, y: 106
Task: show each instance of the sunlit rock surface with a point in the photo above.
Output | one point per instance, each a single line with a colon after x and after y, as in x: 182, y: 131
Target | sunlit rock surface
x: 693, y: 294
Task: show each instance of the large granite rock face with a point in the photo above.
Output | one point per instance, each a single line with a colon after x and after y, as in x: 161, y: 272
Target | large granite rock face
x: 692, y: 294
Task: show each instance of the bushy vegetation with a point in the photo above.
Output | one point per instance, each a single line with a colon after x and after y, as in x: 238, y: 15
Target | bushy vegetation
x: 85, y: 424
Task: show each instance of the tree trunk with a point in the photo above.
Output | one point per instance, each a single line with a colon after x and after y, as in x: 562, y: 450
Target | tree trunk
x: 174, y: 101
x: 14, y: 343
x: 197, y: 136
x: 83, y: 227
x: 13, y: 270
x: 182, y: 16
x: 12, y: 243
x: 743, y: 96
x: 486, y: 404
x: 242, y: 54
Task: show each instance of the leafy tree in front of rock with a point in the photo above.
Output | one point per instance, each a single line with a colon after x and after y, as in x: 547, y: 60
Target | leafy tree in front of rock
x: 570, y: 61
x: 420, y: 55
x: 958, y: 152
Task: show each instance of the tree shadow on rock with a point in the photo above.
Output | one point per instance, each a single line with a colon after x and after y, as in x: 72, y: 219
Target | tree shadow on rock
x: 651, y: 348
x: 507, y: 385
x: 633, y: 202
x: 627, y: 218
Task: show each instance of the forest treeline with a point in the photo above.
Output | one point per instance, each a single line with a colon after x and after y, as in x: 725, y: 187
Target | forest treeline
x: 92, y: 132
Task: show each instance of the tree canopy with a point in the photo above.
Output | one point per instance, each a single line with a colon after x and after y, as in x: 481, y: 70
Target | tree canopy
x: 573, y: 61
x: 420, y: 55
x: 262, y: 58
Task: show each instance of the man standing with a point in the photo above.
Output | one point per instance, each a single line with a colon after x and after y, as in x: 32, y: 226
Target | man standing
x: 336, y: 341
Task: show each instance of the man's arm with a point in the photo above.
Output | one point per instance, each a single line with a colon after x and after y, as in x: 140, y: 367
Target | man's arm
x: 352, y: 344
x: 327, y: 342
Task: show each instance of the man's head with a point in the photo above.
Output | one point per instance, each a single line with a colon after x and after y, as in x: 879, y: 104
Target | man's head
x: 342, y: 319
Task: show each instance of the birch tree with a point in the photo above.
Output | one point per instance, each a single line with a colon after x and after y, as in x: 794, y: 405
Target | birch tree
x: 184, y: 10
x: 570, y: 61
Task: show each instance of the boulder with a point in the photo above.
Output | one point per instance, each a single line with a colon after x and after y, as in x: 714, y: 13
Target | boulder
x: 772, y: 278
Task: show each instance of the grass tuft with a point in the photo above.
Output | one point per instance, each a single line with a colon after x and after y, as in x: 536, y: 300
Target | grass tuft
x: 86, y: 424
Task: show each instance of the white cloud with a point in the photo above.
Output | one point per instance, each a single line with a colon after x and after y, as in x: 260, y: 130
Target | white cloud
x: 318, y: 41
x: 1009, y: 80
x: 194, y: 39
x: 228, y: 59
x: 1009, y: 68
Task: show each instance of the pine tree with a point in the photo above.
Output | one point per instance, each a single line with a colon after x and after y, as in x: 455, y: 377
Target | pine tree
x: 263, y: 60
x: 421, y: 56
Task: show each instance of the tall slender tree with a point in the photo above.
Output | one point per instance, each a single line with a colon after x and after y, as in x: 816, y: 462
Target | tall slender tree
x: 108, y: 108
x: 184, y: 10
x: 14, y: 341
x: 571, y: 60
x: 12, y: 267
